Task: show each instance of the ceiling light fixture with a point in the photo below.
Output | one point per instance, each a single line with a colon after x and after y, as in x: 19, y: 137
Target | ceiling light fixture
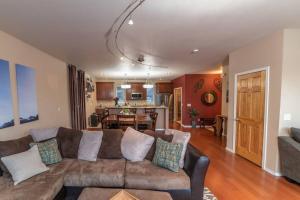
x: 130, y: 22
x: 148, y: 85
x: 125, y: 85
x: 195, y: 51
x: 122, y: 58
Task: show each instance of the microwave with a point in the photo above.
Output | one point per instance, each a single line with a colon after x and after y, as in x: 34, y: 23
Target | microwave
x: 136, y: 96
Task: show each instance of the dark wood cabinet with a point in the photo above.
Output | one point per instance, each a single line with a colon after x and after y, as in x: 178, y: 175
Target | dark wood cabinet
x: 136, y: 88
x: 164, y: 88
x: 105, y: 90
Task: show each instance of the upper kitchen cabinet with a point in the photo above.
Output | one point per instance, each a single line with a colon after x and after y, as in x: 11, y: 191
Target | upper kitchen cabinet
x: 136, y: 92
x: 105, y: 90
x: 164, y: 88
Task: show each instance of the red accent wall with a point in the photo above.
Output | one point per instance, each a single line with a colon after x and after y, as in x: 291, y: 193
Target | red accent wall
x: 189, y: 96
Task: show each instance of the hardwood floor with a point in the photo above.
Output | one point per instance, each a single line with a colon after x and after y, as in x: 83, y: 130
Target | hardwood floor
x: 231, y: 177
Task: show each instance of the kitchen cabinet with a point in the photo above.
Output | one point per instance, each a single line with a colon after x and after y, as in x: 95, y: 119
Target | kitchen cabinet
x: 136, y: 88
x: 105, y: 90
x: 164, y: 88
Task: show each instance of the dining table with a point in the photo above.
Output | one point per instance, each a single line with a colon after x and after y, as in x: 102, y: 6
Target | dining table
x: 139, y: 119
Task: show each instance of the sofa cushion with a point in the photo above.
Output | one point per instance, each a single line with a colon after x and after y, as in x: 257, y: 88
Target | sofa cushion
x: 295, y: 133
x: 24, y: 165
x: 111, y: 144
x: 89, y: 145
x: 36, y: 187
x: 102, y: 173
x: 180, y: 137
x: 167, y: 155
x: 151, y: 152
x: 145, y: 175
x: 11, y: 147
x: 41, y: 134
x: 68, y: 141
x: 48, y: 151
x: 135, y: 145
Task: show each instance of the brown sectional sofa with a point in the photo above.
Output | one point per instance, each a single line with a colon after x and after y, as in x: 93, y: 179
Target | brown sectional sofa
x: 66, y: 179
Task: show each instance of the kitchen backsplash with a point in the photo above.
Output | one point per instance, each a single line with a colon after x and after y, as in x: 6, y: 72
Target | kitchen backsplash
x: 131, y: 102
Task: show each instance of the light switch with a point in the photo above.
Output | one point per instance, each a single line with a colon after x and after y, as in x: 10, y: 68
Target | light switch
x: 189, y: 105
x: 287, y: 117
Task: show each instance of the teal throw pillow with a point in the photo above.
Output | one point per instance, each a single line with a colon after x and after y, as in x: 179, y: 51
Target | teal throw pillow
x: 167, y: 155
x: 48, y: 151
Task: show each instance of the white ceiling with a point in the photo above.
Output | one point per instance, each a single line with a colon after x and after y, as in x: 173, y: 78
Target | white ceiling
x: 165, y: 31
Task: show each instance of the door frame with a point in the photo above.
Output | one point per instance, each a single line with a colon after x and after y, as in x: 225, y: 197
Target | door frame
x: 178, y: 88
x: 266, y: 110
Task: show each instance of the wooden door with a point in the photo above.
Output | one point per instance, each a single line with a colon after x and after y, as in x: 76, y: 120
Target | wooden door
x: 177, y: 105
x: 250, y: 116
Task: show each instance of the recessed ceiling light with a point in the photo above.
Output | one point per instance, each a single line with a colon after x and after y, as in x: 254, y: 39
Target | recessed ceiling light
x: 195, y: 51
x: 130, y: 22
x: 122, y: 58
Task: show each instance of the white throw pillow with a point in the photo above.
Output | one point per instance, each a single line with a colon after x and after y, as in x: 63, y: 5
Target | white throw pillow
x: 24, y: 165
x: 41, y: 134
x: 135, y: 145
x: 89, y: 145
x: 180, y: 137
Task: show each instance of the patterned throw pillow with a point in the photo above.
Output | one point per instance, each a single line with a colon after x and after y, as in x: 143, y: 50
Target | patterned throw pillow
x: 49, y: 151
x: 167, y: 155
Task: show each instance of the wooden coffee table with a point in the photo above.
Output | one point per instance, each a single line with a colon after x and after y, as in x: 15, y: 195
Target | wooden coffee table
x: 107, y: 193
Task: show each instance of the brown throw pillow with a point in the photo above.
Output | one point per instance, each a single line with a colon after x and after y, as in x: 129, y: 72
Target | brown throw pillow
x: 111, y: 144
x: 68, y: 141
x: 151, y: 152
x: 11, y: 147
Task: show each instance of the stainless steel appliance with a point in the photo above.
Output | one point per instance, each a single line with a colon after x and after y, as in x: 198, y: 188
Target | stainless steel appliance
x: 136, y: 96
x: 162, y: 99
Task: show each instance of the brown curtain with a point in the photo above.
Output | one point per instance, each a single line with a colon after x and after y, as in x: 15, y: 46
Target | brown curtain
x: 81, y: 99
x: 77, y: 98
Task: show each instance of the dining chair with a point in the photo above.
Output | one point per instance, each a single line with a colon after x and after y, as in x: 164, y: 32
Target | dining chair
x: 153, y: 117
x: 102, y: 114
x: 125, y: 121
x: 149, y: 110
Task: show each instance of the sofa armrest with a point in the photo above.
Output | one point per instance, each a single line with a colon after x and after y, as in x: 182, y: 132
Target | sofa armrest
x: 196, y: 165
x: 289, y: 153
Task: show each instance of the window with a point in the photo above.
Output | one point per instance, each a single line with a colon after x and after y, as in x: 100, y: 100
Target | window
x: 150, y: 96
x: 120, y: 94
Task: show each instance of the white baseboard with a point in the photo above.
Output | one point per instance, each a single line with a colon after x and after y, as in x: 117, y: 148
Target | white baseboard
x: 229, y: 149
x: 272, y: 172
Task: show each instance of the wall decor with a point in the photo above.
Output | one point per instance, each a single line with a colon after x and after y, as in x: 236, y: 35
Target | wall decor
x: 218, y: 83
x: 89, y: 87
x: 209, y: 98
x: 198, y: 85
x: 27, y: 98
x: 6, y: 105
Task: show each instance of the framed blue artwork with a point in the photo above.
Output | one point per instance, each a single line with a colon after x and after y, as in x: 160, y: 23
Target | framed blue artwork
x: 27, y: 98
x: 6, y: 105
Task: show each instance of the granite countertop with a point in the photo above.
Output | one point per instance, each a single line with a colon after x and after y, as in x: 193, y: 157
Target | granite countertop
x: 137, y: 107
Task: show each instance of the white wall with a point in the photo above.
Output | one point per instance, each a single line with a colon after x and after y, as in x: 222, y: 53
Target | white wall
x: 264, y: 52
x: 51, y: 81
x: 290, y: 90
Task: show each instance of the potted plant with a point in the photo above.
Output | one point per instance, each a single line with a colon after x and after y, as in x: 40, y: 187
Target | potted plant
x: 193, y: 113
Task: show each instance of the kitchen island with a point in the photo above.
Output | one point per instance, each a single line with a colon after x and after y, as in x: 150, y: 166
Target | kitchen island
x: 162, y: 122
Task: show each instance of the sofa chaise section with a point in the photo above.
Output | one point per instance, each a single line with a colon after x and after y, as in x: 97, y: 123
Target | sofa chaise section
x: 45, y: 186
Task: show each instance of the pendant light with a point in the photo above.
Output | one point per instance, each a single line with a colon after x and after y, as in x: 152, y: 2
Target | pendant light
x: 148, y: 84
x: 125, y: 84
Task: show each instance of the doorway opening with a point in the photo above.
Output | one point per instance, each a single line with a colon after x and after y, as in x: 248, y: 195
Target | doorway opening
x: 251, y: 110
x: 178, y: 105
